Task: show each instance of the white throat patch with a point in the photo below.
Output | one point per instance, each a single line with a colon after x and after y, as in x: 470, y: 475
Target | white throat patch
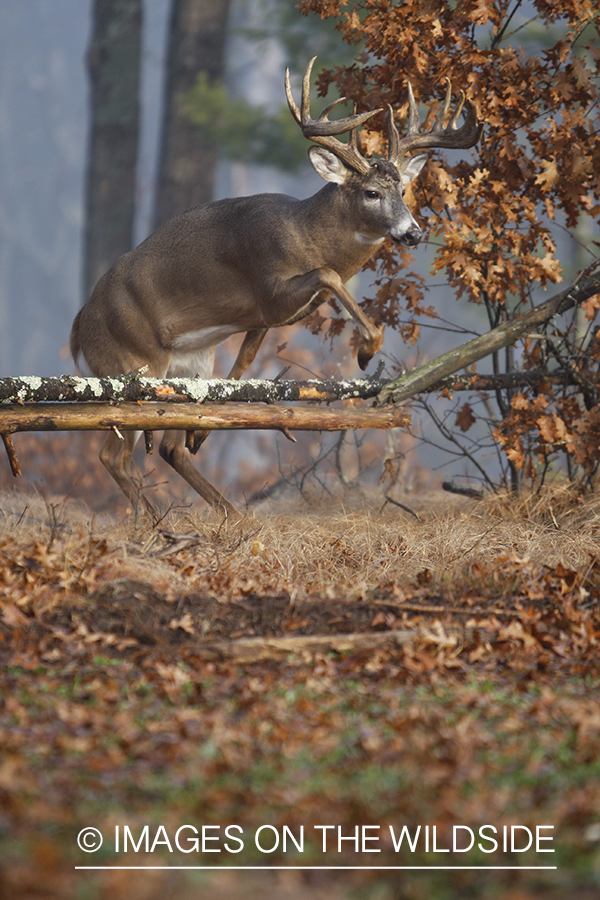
x: 362, y: 238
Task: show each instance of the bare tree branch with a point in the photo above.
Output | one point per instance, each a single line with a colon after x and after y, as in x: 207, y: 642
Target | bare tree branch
x: 430, y: 374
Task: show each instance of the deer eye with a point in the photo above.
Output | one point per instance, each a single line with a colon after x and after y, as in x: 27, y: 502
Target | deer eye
x: 372, y: 195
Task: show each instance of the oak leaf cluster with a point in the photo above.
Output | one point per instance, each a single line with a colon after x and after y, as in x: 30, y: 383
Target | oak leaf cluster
x: 533, y: 73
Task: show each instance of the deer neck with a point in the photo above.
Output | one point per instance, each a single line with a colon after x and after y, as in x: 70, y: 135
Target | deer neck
x: 336, y: 238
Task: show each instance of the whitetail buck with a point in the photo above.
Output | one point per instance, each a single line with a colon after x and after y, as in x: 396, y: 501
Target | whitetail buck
x: 254, y: 263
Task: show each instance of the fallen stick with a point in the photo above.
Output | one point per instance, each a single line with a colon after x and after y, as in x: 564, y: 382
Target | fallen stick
x: 256, y: 649
x: 13, y: 460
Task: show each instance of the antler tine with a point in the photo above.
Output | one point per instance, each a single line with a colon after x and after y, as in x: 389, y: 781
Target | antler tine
x: 441, y: 135
x: 327, y: 109
x: 443, y: 114
x: 321, y: 130
x: 305, y: 100
x: 290, y: 98
x: 353, y: 137
x: 458, y: 110
x: 394, y: 141
x: 413, y: 112
x: 393, y: 136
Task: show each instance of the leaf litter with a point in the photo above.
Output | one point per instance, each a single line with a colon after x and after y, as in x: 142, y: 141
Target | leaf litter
x: 307, y: 666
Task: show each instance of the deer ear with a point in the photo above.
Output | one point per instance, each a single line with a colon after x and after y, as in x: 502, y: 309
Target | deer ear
x: 412, y: 167
x: 327, y: 165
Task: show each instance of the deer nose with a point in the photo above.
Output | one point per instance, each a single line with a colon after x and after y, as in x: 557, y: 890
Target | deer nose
x: 412, y: 238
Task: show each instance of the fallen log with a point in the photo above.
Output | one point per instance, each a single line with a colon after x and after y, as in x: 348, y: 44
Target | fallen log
x: 152, y: 416
x: 72, y: 388
x: 136, y: 387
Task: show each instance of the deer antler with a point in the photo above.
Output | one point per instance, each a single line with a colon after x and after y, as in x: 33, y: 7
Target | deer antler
x: 321, y: 130
x: 441, y: 135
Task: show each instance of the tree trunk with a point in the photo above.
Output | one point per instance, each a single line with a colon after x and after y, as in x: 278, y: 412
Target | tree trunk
x: 187, y: 161
x: 114, y: 67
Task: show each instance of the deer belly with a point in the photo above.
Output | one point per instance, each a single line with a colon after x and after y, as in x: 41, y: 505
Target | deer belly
x: 192, y: 354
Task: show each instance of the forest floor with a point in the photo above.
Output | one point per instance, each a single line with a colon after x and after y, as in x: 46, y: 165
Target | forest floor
x: 349, y: 667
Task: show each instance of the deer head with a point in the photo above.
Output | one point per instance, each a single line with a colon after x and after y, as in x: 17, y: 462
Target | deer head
x: 378, y: 184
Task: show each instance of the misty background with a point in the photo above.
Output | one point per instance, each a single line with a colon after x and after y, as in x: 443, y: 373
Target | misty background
x: 44, y: 138
x: 43, y: 133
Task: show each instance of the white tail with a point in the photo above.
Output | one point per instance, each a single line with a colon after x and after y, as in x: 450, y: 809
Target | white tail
x: 254, y: 263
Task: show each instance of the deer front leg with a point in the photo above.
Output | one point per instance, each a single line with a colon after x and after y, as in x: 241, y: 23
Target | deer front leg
x: 298, y: 297
x: 371, y: 336
x: 246, y: 354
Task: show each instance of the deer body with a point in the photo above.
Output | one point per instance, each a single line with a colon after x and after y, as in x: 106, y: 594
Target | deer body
x: 247, y: 265
x: 231, y: 266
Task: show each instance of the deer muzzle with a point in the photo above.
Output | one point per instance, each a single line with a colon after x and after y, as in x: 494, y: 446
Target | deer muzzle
x: 410, y: 238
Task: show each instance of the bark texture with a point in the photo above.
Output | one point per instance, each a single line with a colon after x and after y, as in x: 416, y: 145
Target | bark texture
x: 188, y: 161
x: 114, y: 67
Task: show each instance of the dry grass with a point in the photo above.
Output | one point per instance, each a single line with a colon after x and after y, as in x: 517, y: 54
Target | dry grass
x: 338, y: 552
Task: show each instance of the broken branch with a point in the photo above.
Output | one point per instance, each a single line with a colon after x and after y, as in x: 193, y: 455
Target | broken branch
x: 13, y: 460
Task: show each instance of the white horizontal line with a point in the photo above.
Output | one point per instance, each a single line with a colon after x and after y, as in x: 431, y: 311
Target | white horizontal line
x: 328, y: 868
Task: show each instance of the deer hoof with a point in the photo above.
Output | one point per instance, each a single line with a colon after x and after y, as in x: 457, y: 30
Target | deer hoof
x: 364, y: 358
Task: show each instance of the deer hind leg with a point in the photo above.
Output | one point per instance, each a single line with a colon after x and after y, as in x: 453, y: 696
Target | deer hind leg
x: 174, y: 451
x: 246, y: 354
x: 116, y: 457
